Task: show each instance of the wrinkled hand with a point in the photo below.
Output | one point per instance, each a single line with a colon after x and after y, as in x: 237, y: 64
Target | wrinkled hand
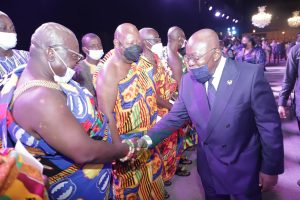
x: 282, y: 112
x: 266, y: 182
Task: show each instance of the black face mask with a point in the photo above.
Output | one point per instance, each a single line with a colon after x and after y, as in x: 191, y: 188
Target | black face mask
x: 244, y: 45
x: 133, y: 53
x: 182, y: 51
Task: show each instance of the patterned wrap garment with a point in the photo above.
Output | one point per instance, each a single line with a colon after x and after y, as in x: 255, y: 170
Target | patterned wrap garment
x: 165, y: 87
x: 136, y: 112
x: 67, y: 180
x: 187, y: 136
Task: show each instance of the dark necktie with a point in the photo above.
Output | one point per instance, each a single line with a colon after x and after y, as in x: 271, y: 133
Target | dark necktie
x: 211, y: 93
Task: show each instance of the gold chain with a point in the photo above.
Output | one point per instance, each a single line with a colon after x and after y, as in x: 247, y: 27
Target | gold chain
x: 34, y: 83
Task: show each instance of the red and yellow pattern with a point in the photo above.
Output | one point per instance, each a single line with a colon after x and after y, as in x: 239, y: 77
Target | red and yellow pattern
x: 136, y: 112
x: 19, y: 180
x: 165, y: 87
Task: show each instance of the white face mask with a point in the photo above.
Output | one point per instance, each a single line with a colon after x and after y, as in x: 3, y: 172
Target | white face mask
x: 96, y: 54
x: 158, y: 49
x: 68, y: 75
x: 8, y: 40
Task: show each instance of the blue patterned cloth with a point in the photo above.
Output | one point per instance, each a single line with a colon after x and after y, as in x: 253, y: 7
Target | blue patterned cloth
x: 67, y: 179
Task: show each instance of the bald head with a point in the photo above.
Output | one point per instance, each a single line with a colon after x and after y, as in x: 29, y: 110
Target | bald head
x: 3, y: 14
x: 125, y: 29
x: 6, y: 25
x: 203, y: 40
x: 87, y: 38
x: 175, y: 32
x: 148, y: 33
x: 51, y: 34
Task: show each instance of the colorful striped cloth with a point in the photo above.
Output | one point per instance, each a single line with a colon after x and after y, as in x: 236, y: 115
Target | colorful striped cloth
x: 136, y: 112
x: 19, y: 180
x: 165, y: 87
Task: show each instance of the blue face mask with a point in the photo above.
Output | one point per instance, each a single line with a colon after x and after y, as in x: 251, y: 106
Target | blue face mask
x: 201, y: 74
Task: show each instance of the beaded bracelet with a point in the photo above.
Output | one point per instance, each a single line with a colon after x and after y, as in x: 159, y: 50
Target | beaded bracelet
x: 130, y: 152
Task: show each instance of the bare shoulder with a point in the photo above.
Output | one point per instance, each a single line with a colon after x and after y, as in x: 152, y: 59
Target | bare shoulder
x: 37, y: 105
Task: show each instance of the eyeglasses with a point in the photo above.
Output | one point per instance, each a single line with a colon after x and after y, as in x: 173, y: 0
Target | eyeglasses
x: 196, y: 58
x: 76, y: 56
x: 155, y: 40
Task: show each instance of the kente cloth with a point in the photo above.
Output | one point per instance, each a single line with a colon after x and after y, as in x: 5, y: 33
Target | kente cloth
x: 67, y: 180
x: 165, y: 87
x: 135, y: 112
x: 18, y: 179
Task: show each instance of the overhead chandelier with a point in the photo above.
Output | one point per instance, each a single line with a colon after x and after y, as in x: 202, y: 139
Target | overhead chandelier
x: 261, y: 19
x: 295, y: 20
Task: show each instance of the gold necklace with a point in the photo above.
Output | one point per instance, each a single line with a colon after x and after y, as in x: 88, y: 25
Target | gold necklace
x: 34, y: 83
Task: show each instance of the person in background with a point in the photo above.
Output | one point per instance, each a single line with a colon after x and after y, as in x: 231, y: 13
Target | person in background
x: 126, y: 94
x: 267, y: 48
x: 10, y: 58
x: 174, y: 64
x: 290, y: 83
x: 227, y: 49
x: 88, y: 69
x: 249, y: 53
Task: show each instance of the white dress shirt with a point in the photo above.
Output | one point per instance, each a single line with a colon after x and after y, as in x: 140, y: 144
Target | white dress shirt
x: 218, y: 73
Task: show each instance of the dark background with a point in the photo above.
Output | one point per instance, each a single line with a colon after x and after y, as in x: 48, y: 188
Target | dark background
x: 102, y: 17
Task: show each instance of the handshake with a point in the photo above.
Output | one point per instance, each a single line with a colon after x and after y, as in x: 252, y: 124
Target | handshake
x: 136, y: 147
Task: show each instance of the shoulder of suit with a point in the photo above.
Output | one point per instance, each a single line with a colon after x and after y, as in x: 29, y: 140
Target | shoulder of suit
x: 295, y: 49
x: 244, y: 67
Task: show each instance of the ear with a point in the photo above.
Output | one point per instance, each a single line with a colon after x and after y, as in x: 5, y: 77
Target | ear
x: 217, y: 55
x: 50, y: 55
x: 85, y: 50
x: 116, y: 43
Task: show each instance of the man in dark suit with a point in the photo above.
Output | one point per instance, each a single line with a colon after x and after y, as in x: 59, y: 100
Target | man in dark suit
x: 234, y: 111
x: 291, y: 82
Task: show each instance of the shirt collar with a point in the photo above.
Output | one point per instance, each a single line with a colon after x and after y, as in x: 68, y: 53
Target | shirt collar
x: 219, y: 68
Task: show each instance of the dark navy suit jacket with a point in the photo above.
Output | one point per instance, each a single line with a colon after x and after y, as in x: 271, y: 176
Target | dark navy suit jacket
x: 239, y: 137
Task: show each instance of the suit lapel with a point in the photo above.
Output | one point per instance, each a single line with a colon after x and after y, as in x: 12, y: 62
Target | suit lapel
x: 226, y: 87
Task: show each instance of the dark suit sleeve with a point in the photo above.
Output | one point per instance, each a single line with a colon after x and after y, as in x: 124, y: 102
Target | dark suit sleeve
x: 290, y: 77
x: 268, y: 124
x: 171, y: 122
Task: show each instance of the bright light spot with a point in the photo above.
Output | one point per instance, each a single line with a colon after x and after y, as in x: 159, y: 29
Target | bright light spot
x: 233, y: 32
x: 227, y: 17
x: 210, y: 8
x: 217, y: 14
x: 254, y: 31
x: 233, y: 28
x: 236, y: 21
x: 223, y: 15
x: 228, y: 29
x: 233, y: 20
x: 283, y: 32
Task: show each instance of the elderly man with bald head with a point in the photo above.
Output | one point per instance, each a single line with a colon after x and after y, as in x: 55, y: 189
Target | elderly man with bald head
x: 126, y: 94
x: 10, y: 58
x: 240, y: 150
x: 56, y: 119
